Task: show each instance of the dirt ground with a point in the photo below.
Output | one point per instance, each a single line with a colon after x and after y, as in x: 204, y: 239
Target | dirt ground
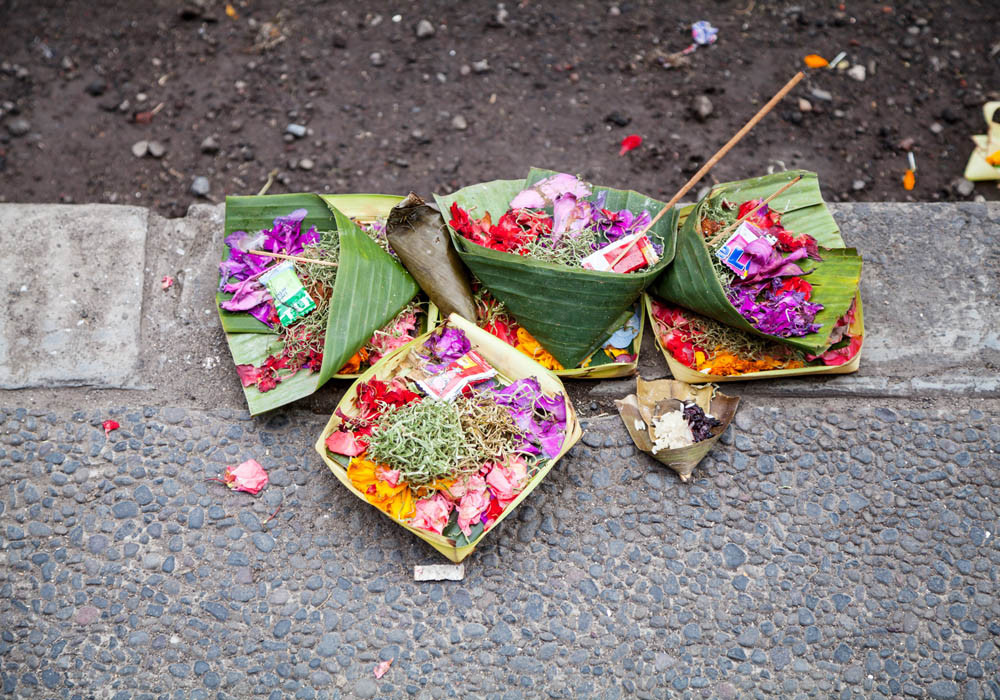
x: 492, y: 89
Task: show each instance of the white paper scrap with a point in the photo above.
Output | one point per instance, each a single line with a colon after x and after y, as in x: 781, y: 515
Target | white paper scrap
x: 439, y: 572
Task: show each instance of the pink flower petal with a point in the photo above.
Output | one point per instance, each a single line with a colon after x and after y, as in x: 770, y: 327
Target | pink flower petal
x: 248, y: 476
x: 344, y: 444
x: 382, y: 668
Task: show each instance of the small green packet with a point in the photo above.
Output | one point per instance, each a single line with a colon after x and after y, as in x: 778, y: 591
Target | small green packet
x: 291, y: 299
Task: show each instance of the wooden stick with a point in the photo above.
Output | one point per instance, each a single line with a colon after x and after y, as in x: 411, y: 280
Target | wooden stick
x: 733, y: 226
x: 725, y: 149
x: 296, y: 258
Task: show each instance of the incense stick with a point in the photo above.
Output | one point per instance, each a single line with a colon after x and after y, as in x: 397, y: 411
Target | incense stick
x: 296, y: 258
x: 733, y: 226
x: 778, y: 96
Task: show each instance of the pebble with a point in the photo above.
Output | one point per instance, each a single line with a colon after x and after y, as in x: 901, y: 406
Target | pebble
x: 805, y: 105
x: 263, y: 541
x: 857, y: 72
x: 963, y: 187
x: 424, y: 30
x: 702, y: 107
x: 618, y: 119
x: 296, y: 130
x: 820, y: 94
x: 858, y: 185
x: 458, y: 123
x: 200, y: 186
x: 366, y: 688
x: 306, y: 164
x: 210, y: 145
x: 96, y: 88
x: 733, y: 556
x: 157, y: 149
x: 480, y: 66
x: 936, y: 128
x: 140, y: 148
x: 377, y: 59
x: 19, y: 126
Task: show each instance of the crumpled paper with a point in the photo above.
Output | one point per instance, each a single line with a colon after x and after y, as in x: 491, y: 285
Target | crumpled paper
x: 653, y: 399
x: 248, y: 476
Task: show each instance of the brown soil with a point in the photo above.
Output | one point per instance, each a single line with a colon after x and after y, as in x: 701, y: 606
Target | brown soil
x: 560, y: 75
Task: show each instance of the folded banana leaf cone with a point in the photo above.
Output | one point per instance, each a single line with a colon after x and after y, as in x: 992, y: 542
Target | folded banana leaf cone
x: 618, y: 356
x: 664, y: 399
x: 365, y: 291
x: 396, y: 371
x: 570, y: 311
x: 984, y: 163
x: 746, y: 371
x: 692, y: 282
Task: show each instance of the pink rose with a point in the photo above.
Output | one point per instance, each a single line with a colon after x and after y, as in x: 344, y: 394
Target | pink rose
x: 463, y: 486
x: 507, y: 480
x: 432, y: 513
x: 471, y: 507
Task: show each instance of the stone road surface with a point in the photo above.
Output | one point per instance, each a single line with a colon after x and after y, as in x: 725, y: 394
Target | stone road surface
x: 840, y: 542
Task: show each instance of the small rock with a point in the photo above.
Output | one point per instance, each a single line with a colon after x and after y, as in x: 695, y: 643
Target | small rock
x: 858, y: 185
x: 936, y: 128
x: 805, y: 105
x: 420, y: 137
x: 200, y: 186
x: 614, y: 11
x: 157, y: 149
x: 702, y: 107
x: 19, y: 126
x: 465, y: 69
x: 963, y: 187
x: 907, y: 144
x: 480, y: 66
x: 376, y: 59
x: 140, y: 148
x: 500, y: 18
x: 821, y: 95
x: 618, y: 119
x: 425, y: 30
x: 96, y: 88
x: 458, y: 122
x: 733, y: 556
x: 210, y: 145
x: 306, y: 164
x: 296, y: 130
x: 858, y: 72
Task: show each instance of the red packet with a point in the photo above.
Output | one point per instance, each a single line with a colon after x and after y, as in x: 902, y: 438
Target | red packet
x: 448, y: 383
x: 638, y: 253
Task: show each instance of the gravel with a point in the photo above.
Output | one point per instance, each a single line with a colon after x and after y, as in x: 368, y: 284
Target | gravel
x: 819, y: 577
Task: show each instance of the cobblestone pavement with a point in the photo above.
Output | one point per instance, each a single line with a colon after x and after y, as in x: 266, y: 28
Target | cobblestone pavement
x: 849, y: 555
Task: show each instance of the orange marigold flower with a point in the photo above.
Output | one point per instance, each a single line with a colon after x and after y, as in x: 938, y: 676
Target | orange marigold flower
x: 815, y: 61
x: 533, y: 349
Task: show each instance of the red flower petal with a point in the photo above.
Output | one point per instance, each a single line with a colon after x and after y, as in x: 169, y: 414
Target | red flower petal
x: 167, y: 282
x: 629, y: 142
x: 108, y: 426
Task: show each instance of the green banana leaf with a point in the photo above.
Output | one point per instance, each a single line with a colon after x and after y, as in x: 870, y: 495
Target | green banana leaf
x: 691, y: 281
x: 370, y: 289
x: 570, y: 311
